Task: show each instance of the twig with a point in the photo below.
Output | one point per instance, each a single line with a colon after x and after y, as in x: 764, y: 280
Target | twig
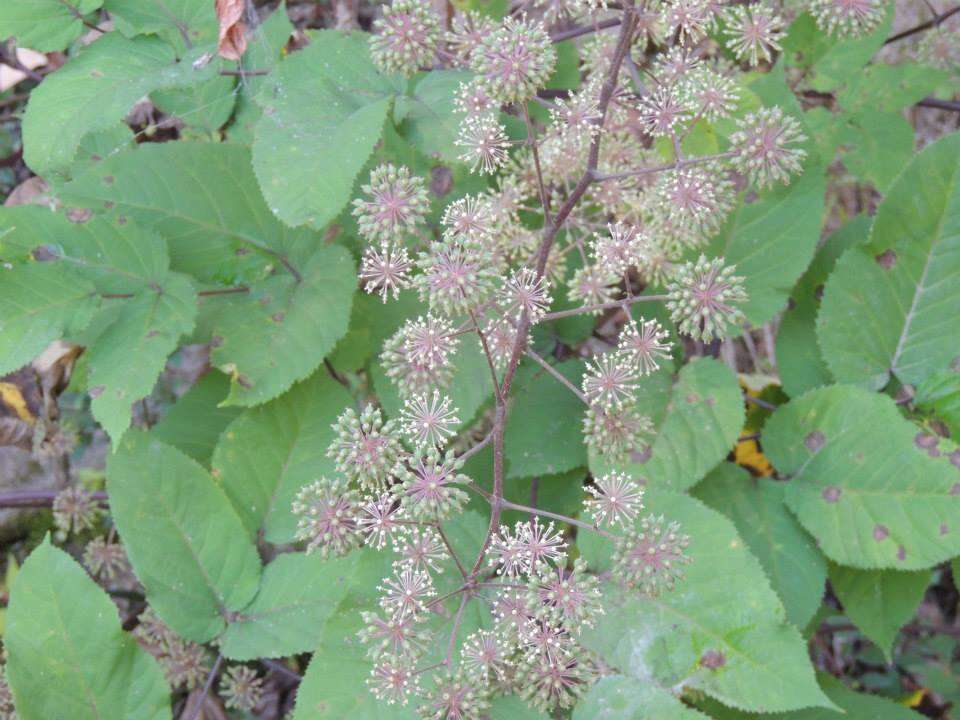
x: 922, y: 26
x: 532, y: 142
x: 456, y: 628
x: 281, y: 669
x: 453, y: 554
x: 598, y: 177
x: 584, y: 30
x: 508, y: 505
x: 476, y: 448
x: 602, y: 306
x: 244, y: 73
x: 940, y: 104
x: 39, y: 498
x: 200, y: 293
x: 206, y: 688
x: 560, y: 378
x: 758, y: 402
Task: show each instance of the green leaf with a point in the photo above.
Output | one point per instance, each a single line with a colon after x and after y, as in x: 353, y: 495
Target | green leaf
x: 298, y: 594
x: 39, y: 303
x: 513, y: 708
x: 940, y: 394
x: 703, y: 419
x: 789, y: 557
x: 881, y: 145
x: 891, y: 305
x: 194, y: 424
x: 185, y: 542
x: 771, y: 236
x: 850, y: 705
x: 844, y: 58
x: 298, y: 321
x: 127, y: 357
x: 324, y: 110
x: 430, y: 121
x: 621, y: 698
x: 884, y: 87
x: 335, y: 684
x: 732, y: 644
x: 202, y: 107
x: 93, y: 91
x: 68, y: 656
x: 45, y: 25
x: 545, y: 425
x: 175, y: 21
x: 865, y: 483
x: 798, y: 355
x: 268, y: 453
x: 879, y: 602
x: 203, y: 198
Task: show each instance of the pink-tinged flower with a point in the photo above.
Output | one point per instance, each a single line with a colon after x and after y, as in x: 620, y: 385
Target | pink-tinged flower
x: 468, y: 30
x: 422, y: 548
x: 696, y: 197
x: 940, y: 48
x: 429, y: 421
x: 850, y: 18
x: 393, y: 680
x: 710, y: 94
x: 241, y: 688
x: 620, y: 248
x: 485, y: 655
x: 326, y: 511
x: 577, y: 119
x: 379, y: 519
x: 610, y: 381
x: 105, y: 559
x: 430, y: 489
x: 662, y: 110
x: 650, y: 556
x: 702, y: 298
x: 645, y: 343
x: 524, y: 292
x: 754, y: 32
x: 75, y: 510
x: 553, y: 681
x: 456, y: 277
x: 430, y: 340
x: 484, y: 144
x: 406, y: 36
x: 414, y: 365
x: 616, y: 431
x: 512, y: 612
x: 764, y: 146
x: 542, y: 639
x: 396, y: 203
x: 366, y: 449
x: 385, y: 270
x: 571, y: 597
x: 474, y: 101
x: 617, y: 499
x: 540, y: 542
x: 397, y: 635
x: 468, y: 218
x: 690, y: 20
x: 516, y: 60
x: 675, y: 65
x: 501, y: 335
x: 408, y: 591
x: 592, y: 285
x: 507, y: 554
x: 454, y: 697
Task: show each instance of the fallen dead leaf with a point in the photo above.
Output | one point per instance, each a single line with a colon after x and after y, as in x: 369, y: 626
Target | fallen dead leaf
x: 233, y: 39
x: 30, y: 59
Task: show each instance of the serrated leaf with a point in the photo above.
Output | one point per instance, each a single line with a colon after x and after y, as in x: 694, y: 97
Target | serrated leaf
x: 299, y: 321
x: 703, y: 420
x: 735, y: 646
x: 864, y: 482
x: 179, y: 22
x: 203, y: 198
x: 796, y: 569
x: 891, y: 305
x: 430, y: 120
x: 39, y: 303
x: 880, y: 144
x: 268, y: 453
x: 798, y: 355
x: 298, y: 594
x: 771, y: 236
x: 202, y: 107
x: 128, y: 356
x: 94, y: 90
x: 879, y: 602
x: 622, y: 698
x: 845, y: 56
x: 545, y: 425
x: 194, y: 424
x: 940, y: 394
x: 185, y: 542
x: 68, y: 656
x: 45, y: 25
x: 323, y: 111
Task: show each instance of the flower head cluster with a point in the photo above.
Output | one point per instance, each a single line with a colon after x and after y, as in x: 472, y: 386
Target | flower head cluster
x: 848, y: 18
x: 406, y: 36
x: 395, y: 203
x: 615, y: 431
x: 650, y: 555
x: 185, y: 664
x: 106, y: 560
x: 75, y: 510
x: 241, y: 688
x: 515, y: 60
x: 417, y: 357
x: 327, y: 512
x: 645, y: 342
x: 703, y: 298
x: 617, y: 500
x: 764, y: 146
x: 755, y: 32
x: 366, y: 448
x: 429, y: 422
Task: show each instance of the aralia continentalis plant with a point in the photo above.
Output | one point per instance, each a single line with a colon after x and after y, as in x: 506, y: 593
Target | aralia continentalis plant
x: 581, y: 206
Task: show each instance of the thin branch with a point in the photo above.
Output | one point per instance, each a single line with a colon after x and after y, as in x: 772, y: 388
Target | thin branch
x: 758, y: 402
x: 560, y: 378
x: 281, y: 669
x: 197, y: 709
x: 453, y: 554
x: 507, y: 505
x: 456, y: 628
x: 447, y: 596
x: 584, y: 30
x: 532, y: 142
x: 922, y: 26
x: 603, y: 306
x: 244, y: 73
x: 200, y: 293
x: 488, y: 355
x: 940, y: 104
x: 476, y: 448
x: 598, y: 177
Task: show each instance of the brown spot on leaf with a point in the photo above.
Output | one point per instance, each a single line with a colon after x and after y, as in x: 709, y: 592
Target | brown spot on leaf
x: 240, y: 252
x: 216, y: 341
x: 641, y: 456
x: 277, y: 317
x: 901, y: 553
x: 108, y: 179
x: 887, y: 259
x: 818, y: 292
x: 711, y: 401
x: 441, y: 180
x: 814, y: 441
x: 121, y: 219
x: 880, y: 532
x: 955, y: 458
x: 152, y: 333
x: 108, y: 204
x: 831, y: 493
x: 928, y: 443
x: 692, y: 398
x: 79, y: 215
x: 944, y: 529
x: 96, y: 391
x: 713, y: 659
x: 955, y: 490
